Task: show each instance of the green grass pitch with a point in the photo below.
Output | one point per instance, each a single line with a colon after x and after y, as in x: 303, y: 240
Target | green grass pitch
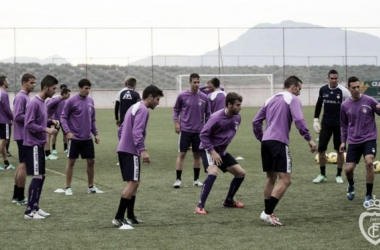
x: 315, y: 216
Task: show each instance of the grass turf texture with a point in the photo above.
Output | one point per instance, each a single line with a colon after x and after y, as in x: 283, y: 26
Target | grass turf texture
x: 315, y: 216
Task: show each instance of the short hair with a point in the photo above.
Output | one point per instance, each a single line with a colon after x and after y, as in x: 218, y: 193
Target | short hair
x: 215, y: 82
x: 194, y: 75
x: 130, y: 82
x: 152, y: 90
x: 352, y: 79
x: 232, y: 97
x: 292, y: 80
x: 48, y: 81
x: 84, y: 82
x: 25, y: 77
x: 63, y: 86
x: 65, y: 91
x: 332, y: 72
x: 2, y: 80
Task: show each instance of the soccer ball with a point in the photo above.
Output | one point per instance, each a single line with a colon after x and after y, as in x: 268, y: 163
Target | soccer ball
x: 376, y: 166
x: 332, y: 157
x: 317, y: 158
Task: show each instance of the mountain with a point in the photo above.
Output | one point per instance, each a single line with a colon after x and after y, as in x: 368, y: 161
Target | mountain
x: 305, y: 44
x: 55, y: 59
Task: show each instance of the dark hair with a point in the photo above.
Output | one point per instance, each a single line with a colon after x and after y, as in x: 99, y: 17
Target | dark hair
x: 48, y: 81
x: 194, y: 75
x: 63, y: 86
x: 26, y: 77
x: 332, y: 72
x: 215, y: 82
x: 2, y: 80
x: 352, y: 79
x: 232, y: 97
x: 130, y: 82
x: 152, y: 90
x: 84, y: 82
x: 292, y: 80
x: 65, y: 91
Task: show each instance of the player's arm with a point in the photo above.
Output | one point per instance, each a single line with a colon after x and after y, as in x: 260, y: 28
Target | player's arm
x: 176, y: 113
x: 94, y: 129
x: 138, y: 130
x: 257, y: 123
x: 19, y: 110
x: 7, y: 108
x: 299, y: 121
x: 30, y: 120
x: 317, y: 112
x: 343, y: 129
x: 117, y: 106
x: 206, y: 142
x: 207, y: 110
x: 66, y: 111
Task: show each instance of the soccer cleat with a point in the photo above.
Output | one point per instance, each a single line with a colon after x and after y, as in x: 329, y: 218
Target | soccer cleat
x: 320, y: 178
x: 68, y: 191
x: 350, y: 192
x: 1, y: 168
x: 270, y: 219
x: 65, y: 151
x: 94, y: 190
x: 33, y: 216
x: 51, y: 157
x: 23, y: 202
x: 177, y: 183
x: 367, y: 201
x: 42, y: 213
x: 200, y: 211
x: 339, y: 179
x: 54, y: 152
x: 119, y: 222
x: 234, y: 204
x: 9, y: 167
x: 134, y: 221
x: 197, y: 183
x: 9, y: 154
x: 14, y: 200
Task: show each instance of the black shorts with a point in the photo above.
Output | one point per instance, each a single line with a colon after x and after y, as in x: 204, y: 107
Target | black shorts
x: 34, y: 160
x: 275, y: 157
x: 227, y: 159
x: 325, y: 135
x: 21, y: 151
x: 129, y: 166
x: 187, y: 139
x: 84, y: 148
x: 356, y: 151
x: 5, y: 131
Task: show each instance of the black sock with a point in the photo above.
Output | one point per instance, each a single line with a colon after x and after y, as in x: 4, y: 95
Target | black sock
x: 351, y: 181
x: 91, y: 186
x: 53, y: 146
x: 271, y: 205
x: 15, y: 194
x: 323, y: 170
x: 21, y: 193
x: 339, y: 172
x: 64, y: 146
x: 266, y: 202
x: 234, y: 187
x: 47, y: 152
x: 179, y: 174
x: 369, y: 189
x: 122, y: 207
x: 196, y: 173
x: 6, y: 163
x: 131, y: 207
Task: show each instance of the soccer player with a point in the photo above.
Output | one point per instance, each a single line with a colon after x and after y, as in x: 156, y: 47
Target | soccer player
x: 125, y: 99
x: 36, y: 127
x: 190, y: 113
x: 358, y: 128
x: 6, y: 119
x: 28, y: 82
x: 331, y: 97
x: 65, y: 94
x: 130, y: 149
x: 53, y: 106
x: 217, y: 96
x: 215, y: 137
x: 279, y: 112
x: 78, y: 122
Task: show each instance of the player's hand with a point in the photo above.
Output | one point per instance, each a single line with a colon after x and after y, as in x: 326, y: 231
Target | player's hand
x: 316, y: 126
x: 342, y: 147
x: 378, y: 106
x: 145, y: 157
x: 177, y: 127
x: 216, y: 157
x: 313, y: 146
x: 69, y: 136
x: 56, y: 123
x: 97, y: 140
x: 51, y: 131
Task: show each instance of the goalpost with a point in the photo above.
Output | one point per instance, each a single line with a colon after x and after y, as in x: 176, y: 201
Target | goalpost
x: 233, y: 82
